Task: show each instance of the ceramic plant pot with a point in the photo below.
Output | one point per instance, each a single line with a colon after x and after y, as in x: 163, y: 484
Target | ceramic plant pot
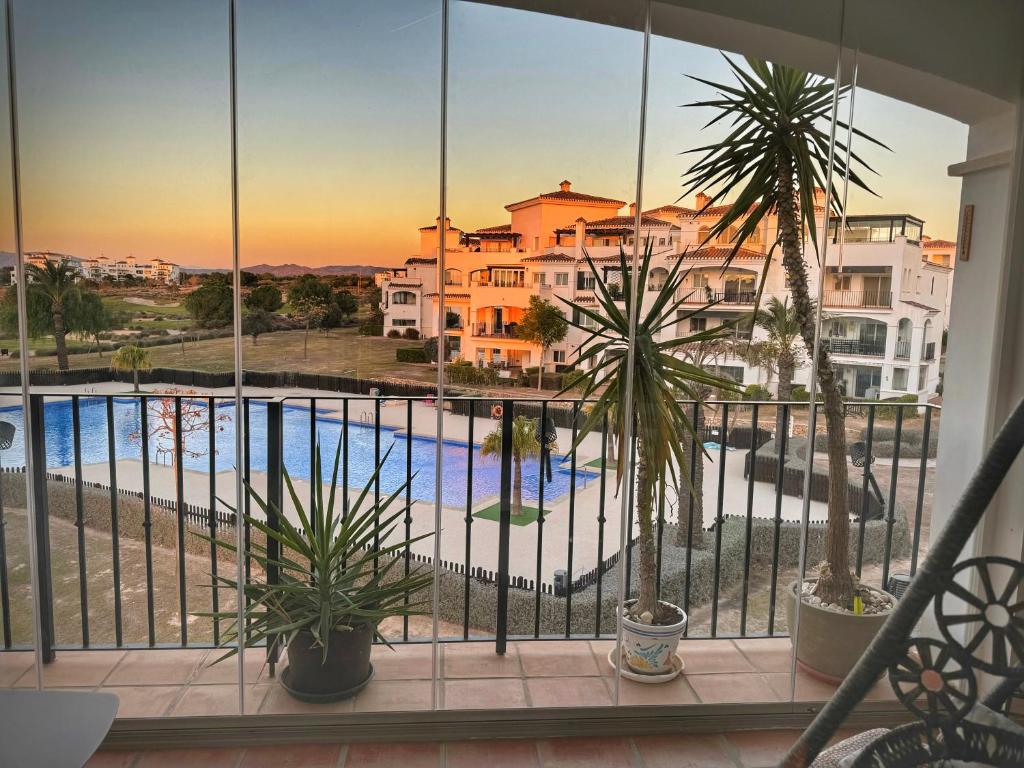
x: 649, y: 649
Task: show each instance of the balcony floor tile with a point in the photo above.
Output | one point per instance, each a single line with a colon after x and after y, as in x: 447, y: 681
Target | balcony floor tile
x: 156, y: 667
x: 683, y: 751
x: 707, y: 656
x: 202, y: 700
x: 74, y: 669
x: 557, y: 658
x: 731, y: 688
x: 769, y: 654
x: 382, y: 755
x: 193, y: 758
x: 292, y: 756
x: 13, y: 665
x: 568, y: 692
x: 585, y: 753
x: 677, y: 691
x: 145, y: 701
x: 499, y: 693
x: 761, y: 749
x: 411, y: 662
x: 479, y: 660
x: 394, y: 696
x: 491, y: 754
x: 279, y: 702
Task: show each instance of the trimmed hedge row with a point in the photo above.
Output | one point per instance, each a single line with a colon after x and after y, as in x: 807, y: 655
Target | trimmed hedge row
x: 411, y: 355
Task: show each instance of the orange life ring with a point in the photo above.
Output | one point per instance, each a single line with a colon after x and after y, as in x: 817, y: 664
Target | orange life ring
x: 496, y: 411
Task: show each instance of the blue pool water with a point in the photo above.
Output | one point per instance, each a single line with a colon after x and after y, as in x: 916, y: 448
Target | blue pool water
x: 361, y: 451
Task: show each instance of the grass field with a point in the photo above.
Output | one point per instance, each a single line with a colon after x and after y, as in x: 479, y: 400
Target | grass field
x: 119, y: 305
x: 343, y: 352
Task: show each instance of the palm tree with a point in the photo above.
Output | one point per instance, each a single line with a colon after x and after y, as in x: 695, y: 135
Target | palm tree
x: 524, y: 445
x: 775, y: 156
x: 131, y: 358
x: 701, y: 354
x: 779, y: 351
x: 55, y: 282
x: 658, y: 376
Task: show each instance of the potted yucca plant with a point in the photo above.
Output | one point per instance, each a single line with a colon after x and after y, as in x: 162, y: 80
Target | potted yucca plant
x: 329, y: 598
x: 662, y: 431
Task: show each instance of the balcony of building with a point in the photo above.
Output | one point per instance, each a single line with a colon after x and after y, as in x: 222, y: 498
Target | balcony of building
x: 737, y: 287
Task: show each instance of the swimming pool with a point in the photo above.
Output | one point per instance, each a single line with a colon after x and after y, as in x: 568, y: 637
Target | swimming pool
x: 361, y: 461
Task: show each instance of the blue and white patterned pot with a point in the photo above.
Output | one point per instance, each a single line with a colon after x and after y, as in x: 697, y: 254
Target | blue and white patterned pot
x: 649, y: 648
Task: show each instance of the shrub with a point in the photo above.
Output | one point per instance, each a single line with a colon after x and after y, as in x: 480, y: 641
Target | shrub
x: 394, y: 333
x: 801, y: 395
x: 888, y: 412
x: 572, y: 378
x: 463, y: 372
x: 411, y: 355
x: 412, y: 334
x: 757, y: 392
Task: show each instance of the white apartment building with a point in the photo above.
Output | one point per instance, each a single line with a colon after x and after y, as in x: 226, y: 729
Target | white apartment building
x: 884, y: 303
x: 117, y: 269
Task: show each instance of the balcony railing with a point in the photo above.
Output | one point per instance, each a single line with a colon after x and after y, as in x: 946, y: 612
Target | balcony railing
x: 856, y: 347
x: 157, y: 490
x: 902, y: 350
x: 859, y: 299
x: 703, y: 296
x: 484, y: 330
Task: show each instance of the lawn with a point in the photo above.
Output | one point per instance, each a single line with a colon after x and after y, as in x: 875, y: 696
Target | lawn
x: 493, y: 512
x: 117, y: 304
x: 343, y: 352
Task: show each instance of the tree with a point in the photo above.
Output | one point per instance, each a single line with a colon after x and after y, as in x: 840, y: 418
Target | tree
x: 701, y: 353
x: 544, y: 324
x: 524, y: 445
x: 265, y: 297
x: 248, y: 279
x: 54, y: 284
x: 658, y: 378
x: 347, y: 304
x: 779, y: 352
x: 774, y: 158
x: 166, y: 430
x: 131, y: 358
x: 256, y: 323
x: 211, y: 304
x: 92, y: 318
x: 312, y: 310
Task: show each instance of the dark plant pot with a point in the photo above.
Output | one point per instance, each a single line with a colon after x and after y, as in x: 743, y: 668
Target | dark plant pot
x: 345, y: 671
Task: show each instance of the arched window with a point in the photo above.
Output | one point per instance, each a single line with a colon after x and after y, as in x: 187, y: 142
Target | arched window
x: 903, y: 332
x: 656, y: 279
x: 403, y: 297
x: 453, y: 277
x: 702, y: 234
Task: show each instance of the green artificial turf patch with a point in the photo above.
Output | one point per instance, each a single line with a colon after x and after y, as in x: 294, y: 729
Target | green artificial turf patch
x: 493, y: 512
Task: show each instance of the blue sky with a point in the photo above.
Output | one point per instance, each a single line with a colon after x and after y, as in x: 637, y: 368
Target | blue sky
x: 124, y: 125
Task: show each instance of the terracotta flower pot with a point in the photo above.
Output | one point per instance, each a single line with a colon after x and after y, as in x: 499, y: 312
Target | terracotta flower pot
x: 830, y: 642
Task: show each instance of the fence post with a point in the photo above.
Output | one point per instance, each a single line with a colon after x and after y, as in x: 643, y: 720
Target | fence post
x: 37, y: 441
x: 275, y: 497
x: 504, y: 526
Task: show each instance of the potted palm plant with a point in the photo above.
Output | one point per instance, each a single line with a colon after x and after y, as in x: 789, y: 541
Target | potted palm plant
x: 775, y: 157
x: 330, y: 595
x: 660, y: 377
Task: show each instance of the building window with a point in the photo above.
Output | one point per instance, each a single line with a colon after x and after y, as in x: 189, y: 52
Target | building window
x: 561, y: 278
x: 585, y: 281
x: 899, y: 379
x: 403, y: 323
x: 540, y: 278
x: 841, y: 283
x: 661, y: 241
x: 559, y: 355
x: 403, y: 297
x: 699, y: 280
x: 698, y: 323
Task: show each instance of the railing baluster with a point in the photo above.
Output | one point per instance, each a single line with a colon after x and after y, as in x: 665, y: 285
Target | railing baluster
x: 246, y: 503
x: 890, y: 509
x: 275, y: 500
x: 376, y: 480
x: 719, y: 520
x: 469, y: 521
x: 750, y: 522
x: 694, y: 458
x: 864, y: 490
x: 115, y: 542
x: 212, y: 426
x: 572, y: 520
x: 344, y: 456
x: 919, y: 508
x: 179, y: 492
x: 504, y: 526
x: 83, y: 579
x: 780, y: 469
x: 5, y: 593
x: 312, y: 452
x: 600, y: 525
x: 408, y: 503
x: 37, y: 444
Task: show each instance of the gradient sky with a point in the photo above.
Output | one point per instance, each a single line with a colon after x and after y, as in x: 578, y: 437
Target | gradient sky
x: 124, y: 125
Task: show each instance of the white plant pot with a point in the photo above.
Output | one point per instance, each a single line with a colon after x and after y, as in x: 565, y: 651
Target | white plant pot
x: 649, y: 649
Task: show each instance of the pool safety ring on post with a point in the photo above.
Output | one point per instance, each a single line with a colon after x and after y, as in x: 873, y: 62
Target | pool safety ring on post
x: 497, y: 411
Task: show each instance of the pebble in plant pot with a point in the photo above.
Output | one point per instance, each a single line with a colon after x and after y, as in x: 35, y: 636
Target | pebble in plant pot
x: 330, y: 595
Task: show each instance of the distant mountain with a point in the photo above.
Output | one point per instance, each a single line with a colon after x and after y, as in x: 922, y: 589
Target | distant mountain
x: 291, y: 270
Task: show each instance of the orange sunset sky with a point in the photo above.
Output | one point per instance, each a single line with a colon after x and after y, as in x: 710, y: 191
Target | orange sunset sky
x: 124, y: 126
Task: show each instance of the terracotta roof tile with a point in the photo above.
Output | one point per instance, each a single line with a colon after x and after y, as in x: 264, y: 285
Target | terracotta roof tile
x: 718, y: 253
x: 549, y: 257
x: 673, y: 209
x: 624, y: 223
x: 421, y: 260
x: 565, y: 194
x: 938, y: 244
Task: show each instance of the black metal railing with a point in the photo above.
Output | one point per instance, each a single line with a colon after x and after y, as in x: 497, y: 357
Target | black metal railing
x: 555, y: 572
x: 929, y: 351
x: 857, y: 347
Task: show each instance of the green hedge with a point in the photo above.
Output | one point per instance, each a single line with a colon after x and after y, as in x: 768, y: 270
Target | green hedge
x: 411, y: 355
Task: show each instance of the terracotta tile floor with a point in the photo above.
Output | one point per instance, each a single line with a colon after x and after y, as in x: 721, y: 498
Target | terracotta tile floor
x: 747, y: 749
x: 156, y: 682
